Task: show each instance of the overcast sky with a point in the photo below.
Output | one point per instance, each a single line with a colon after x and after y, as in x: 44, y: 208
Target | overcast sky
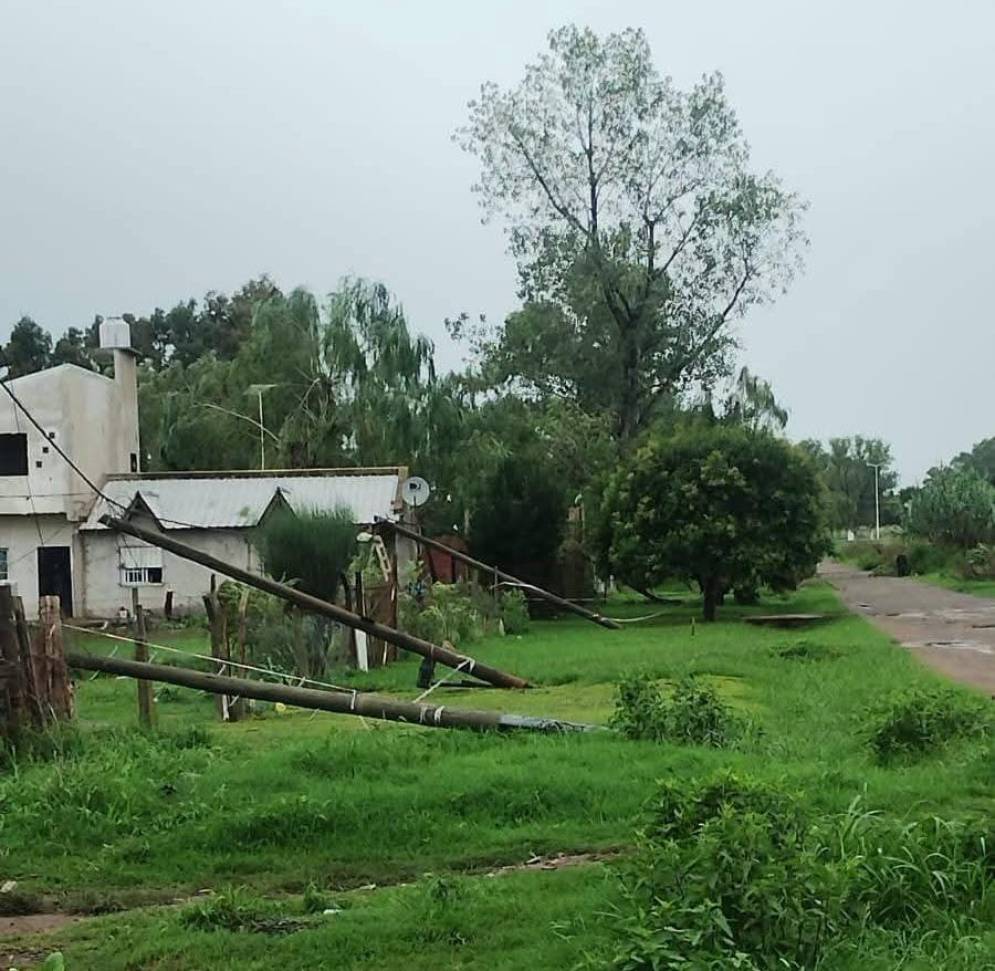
x: 152, y: 151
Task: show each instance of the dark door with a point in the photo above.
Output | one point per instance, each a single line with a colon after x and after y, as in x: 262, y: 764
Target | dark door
x: 55, y: 576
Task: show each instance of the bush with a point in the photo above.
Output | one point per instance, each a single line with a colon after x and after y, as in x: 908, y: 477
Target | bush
x: 955, y: 506
x: 918, y: 721
x: 735, y: 873
x: 514, y: 612
x: 693, y: 715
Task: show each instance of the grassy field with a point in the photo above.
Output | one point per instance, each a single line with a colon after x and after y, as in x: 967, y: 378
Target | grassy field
x: 980, y: 588
x: 400, y: 832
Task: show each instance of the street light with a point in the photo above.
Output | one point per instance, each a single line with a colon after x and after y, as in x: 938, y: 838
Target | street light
x: 877, y: 498
x: 260, y: 390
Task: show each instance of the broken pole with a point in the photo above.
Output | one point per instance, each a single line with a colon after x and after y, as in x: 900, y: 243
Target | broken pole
x: 146, y: 711
x: 343, y: 703
x: 560, y: 602
x: 315, y: 605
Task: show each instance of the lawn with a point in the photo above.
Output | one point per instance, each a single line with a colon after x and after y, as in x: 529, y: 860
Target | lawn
x: 298, y: 806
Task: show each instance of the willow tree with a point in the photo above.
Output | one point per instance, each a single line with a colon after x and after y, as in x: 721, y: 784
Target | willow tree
x: 639, y: 228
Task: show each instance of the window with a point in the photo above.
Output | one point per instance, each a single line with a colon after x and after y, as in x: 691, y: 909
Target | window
x: 14, y: 453
x: 140, y: 565
x: 141, y: 576
x: 3, y: 563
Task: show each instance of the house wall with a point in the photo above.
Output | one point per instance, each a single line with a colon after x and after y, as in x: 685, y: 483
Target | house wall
x: 19, y: 535
x: 101, y: 558
x: 91, y: 417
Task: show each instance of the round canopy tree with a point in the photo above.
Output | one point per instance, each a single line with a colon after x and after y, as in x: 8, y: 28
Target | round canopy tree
x: 722, y: 506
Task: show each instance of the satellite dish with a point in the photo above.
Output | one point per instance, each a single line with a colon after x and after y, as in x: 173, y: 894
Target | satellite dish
x: 415, y: 491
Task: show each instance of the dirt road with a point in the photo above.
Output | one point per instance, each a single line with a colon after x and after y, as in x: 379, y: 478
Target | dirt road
x: 952, y: 632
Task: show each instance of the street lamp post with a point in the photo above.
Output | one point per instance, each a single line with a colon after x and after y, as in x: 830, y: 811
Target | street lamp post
x: 877, y: 498
x: 259, y: 390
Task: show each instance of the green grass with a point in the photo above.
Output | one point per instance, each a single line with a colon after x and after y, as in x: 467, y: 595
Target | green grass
x: 281, y: 801
x: 980, y: 588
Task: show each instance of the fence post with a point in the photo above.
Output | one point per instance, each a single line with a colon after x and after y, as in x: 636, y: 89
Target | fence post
x: 54, y: 693
x: 219, y: 648
x: 11, y: 673
x: 146, y: 709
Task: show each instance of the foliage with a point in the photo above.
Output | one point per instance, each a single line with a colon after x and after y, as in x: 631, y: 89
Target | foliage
x: 237, y: 909
x: 807, y: 651
x: 28, y: 349
x: 521, y: 516
x: 981, y: 458
x: 638, y: 227
x: 513, y: 609
x: 846, y: 472
x: 718, y: 505
x: 309, y: 548
x: 919, y: 721
x: 451, y: 612
x: 979, y: 562
x: 734, y: 872
x: 955, y: 505
x: 693, y: 715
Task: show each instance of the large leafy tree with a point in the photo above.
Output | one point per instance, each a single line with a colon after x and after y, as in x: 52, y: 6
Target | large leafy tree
x: 847, y: 469
x: 718, y: 505
x: 981, y: 458
x: 955, y: 506
x: 29, y: 349
x: 639, y: 228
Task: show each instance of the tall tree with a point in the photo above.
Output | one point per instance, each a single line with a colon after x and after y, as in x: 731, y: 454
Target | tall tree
x: 846, y: 468
x: 73, y: 348
x: 639, y: 230
x: 981, y: 458
x: 29, y: 349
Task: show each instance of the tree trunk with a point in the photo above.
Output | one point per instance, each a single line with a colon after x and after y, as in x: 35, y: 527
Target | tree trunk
x: 628, y: 416
x: 711, y: 589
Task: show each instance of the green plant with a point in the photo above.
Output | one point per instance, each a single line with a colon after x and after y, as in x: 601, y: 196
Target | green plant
x: 694, y: 714
x: 513, y: 609
x: 721, y: 506
x: 807, y: 651
x: 917, y: 721
x: 449, y: 612
x: 237, y: 909
x: 955, y: 506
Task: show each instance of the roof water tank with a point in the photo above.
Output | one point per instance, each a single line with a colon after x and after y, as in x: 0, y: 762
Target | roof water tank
x: 115, y: 332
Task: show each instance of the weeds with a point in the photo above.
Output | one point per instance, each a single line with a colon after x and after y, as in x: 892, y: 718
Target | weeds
x: 807, y: 651
x: 693, y: 715
x: 918, y: 721
x: 236, y: 909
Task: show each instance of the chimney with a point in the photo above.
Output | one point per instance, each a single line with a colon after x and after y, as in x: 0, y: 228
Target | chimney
x: 115, y: 336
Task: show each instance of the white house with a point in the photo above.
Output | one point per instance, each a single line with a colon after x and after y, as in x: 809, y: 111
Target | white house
x: 51, y: 540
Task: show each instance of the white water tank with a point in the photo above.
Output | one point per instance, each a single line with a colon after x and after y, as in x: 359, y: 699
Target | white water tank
x: 115, y: 334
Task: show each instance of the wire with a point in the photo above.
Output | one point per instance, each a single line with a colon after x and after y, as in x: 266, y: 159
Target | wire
x: 223, y: 662
x: 96, y: 489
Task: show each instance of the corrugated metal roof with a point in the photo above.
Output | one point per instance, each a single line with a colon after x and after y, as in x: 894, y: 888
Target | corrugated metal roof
x: 237, y: 501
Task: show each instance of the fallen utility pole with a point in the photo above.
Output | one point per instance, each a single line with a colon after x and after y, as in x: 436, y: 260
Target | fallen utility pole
x: 343, y: 703
x: 443, y: 655
x: 560, y: 602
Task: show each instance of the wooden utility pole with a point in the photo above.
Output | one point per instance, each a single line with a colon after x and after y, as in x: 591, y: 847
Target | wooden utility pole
x: 55, y: 691
x: 343, y: 703
x: 146, y: 709
x: 315, y: 605
x: 499, y: 575
x: 12, y: 702
x: 219, y: 644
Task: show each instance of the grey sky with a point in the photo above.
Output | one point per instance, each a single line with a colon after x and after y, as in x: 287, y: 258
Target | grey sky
x: 152, y: 151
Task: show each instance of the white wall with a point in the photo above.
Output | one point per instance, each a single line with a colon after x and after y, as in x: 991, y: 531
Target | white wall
x: 19, y: 536
x: 101, y: 559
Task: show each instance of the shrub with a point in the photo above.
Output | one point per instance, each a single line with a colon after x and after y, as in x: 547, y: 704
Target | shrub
x: 693, y: 715
x: 514, y: 612
x: 918, y: 721
x: 956, y: 506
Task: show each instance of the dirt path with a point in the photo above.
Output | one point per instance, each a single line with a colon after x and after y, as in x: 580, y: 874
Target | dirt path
x: 953, y: 633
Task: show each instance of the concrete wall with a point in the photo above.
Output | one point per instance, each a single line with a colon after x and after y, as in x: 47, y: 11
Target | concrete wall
x: 93, y: 418
x: 19, y: 536
x: 101, y: 565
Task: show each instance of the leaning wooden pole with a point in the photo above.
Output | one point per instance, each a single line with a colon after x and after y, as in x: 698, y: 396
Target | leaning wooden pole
x: 500, y: 574
x: 408, y: 642
x: 343, y: 703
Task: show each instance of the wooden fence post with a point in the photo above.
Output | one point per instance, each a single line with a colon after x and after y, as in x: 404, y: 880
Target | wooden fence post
x: 55, y: 691
x: 219, y: 645
x: 11, y: 673
x: 146, y: 702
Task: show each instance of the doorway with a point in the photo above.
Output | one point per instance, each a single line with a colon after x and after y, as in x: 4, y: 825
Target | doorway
x: 55, y: 576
